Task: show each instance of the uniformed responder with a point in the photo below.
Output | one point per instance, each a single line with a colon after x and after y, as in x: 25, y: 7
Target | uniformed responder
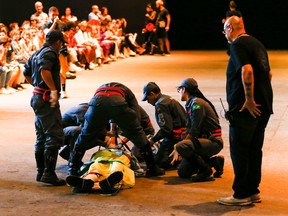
x: 42, y: 71
x: 113, y: 101
x: 203, y: 138
x: 73, y: 121
x: 171, y: 119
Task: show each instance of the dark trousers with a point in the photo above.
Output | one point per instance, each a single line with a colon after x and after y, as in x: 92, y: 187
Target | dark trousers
x: 246, y: 142
x: 100, y: 111
x: 48, y: 125
x: 195, y: 152
x: 165, y: 149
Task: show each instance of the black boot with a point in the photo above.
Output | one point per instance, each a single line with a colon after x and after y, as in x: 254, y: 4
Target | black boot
x: 78, y: 182
x: 65, y: 152
x: 49, y: 175
x: 75, y: 163
x: 148, y: 157
x: 39, y: 156
x: 218, y: 163
x: 204, y: 172
x: 203, y: 175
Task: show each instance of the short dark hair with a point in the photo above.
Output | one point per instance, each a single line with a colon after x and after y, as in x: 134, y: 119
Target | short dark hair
x: 232, y: 4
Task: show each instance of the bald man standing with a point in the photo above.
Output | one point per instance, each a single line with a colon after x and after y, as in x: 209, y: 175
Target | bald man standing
x: 249, y: 96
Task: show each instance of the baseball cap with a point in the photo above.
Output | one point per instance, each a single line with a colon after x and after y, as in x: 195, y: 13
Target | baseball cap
x: 188, y: 83
x: 148, y: 88
x: 54, y: 35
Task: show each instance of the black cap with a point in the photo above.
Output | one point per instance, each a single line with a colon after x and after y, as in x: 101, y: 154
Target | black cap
x: 148, y: 88
x: 188, y: 83
x: 54, y: 35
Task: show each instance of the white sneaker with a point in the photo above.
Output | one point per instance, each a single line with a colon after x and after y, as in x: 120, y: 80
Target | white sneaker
x: 70, y: 75
x: 113, y: 57
x: 63, y: 94
x: 73, y: 67
x: 4, y: 91
x: 91, y: 66
x: 11, y: 90
x: 231, y: 201
x: 132, y: 53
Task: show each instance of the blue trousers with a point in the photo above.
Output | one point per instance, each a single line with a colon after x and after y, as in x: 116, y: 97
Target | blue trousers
x: 48, y: 125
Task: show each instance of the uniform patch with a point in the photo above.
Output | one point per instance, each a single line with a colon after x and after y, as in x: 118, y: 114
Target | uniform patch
x: 196, y: 107
x: 161, y: 120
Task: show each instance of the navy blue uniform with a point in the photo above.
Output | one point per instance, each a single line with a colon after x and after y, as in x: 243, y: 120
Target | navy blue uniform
x: 170, y: 116
x: 112, y: 101
x: 48, y: 123
x: 203, y: 135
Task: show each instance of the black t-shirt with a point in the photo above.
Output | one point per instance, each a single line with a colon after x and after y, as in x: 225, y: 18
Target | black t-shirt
x: 248, y: 50
x: 161, y: 20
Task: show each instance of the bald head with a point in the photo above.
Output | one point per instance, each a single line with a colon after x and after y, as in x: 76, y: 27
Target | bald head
x: 236, y: 22
x: 233, y: 27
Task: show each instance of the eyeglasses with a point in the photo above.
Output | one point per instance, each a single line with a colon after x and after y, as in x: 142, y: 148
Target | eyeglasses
x: 179, y: 89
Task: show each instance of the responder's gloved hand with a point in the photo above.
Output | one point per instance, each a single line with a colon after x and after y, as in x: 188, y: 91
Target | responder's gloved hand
x: 53, y: 98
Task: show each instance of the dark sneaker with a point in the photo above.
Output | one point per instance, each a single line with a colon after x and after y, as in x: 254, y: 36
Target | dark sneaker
x: 203, y: 176
x: 232, y: 201
x: 218, y: 164
x: 155, y: 172
x: 78, y: 182
x: 111, y: 181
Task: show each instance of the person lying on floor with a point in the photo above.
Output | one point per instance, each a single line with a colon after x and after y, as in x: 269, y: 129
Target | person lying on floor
x: 108, y: 171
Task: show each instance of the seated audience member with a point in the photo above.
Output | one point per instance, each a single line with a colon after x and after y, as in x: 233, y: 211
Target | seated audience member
x: 39, y: 39
x: 14, y: 26
x: 129, y: 42
x: 95, y: 13
x: 68, y: 17
x: 17, y: 57
x: 69, y: 30
x: 85, y: 45
x: 93, y: 30
x: 25, y: 25
x: 105, y: 16
x: 26, y: 44
x: 108, y: 47
x: 39, y: 15
x: 6, y: 69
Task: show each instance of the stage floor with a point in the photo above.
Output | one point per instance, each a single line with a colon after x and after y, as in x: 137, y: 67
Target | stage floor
x: 167, y: 195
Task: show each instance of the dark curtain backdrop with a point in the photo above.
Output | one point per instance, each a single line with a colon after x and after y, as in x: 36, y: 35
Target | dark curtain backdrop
x: 196, y: 25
